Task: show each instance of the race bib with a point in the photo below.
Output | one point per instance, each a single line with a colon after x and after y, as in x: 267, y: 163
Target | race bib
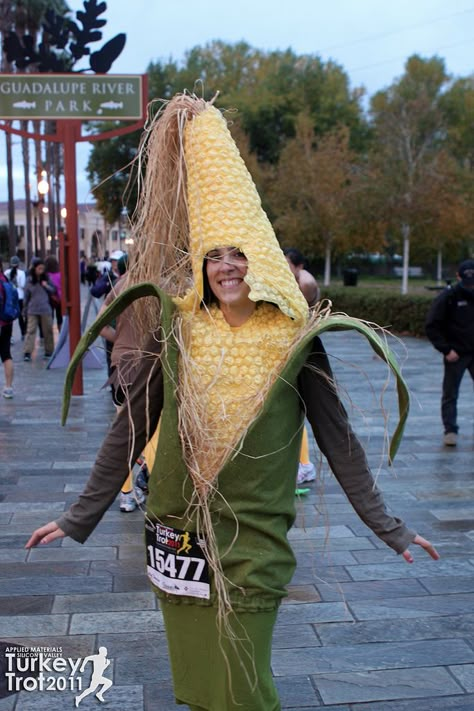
x: 175, y: 561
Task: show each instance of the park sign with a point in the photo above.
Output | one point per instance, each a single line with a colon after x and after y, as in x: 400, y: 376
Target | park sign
x: 87, y: 97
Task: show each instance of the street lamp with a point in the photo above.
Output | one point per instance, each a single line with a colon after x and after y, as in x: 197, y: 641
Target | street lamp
x: 35, y: 205
x: 43, y: 185
x: 123, y: 224
x: 43, y: 190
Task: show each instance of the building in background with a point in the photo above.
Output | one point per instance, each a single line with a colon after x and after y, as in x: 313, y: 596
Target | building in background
x: 97, y: 238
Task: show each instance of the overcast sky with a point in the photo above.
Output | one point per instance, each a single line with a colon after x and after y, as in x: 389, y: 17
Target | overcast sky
x: 370, y: 39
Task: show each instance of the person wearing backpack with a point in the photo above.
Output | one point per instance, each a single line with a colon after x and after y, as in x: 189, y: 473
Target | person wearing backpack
x: 450, y: 328
x: 6, y: 326
x: 17, y: 277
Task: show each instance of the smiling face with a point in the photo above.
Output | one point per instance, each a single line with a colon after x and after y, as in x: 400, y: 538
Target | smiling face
x: 226, y: 268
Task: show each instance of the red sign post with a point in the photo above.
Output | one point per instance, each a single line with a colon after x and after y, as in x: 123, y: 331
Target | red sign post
x: 89, y: 97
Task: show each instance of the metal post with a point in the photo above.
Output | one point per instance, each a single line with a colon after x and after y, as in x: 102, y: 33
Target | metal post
x: 70, y: 132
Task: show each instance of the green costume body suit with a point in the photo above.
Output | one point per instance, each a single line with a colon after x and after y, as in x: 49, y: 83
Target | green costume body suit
x: 251, y: 514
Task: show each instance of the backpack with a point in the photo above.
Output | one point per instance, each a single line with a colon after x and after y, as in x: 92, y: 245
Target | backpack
x: 10, y: 306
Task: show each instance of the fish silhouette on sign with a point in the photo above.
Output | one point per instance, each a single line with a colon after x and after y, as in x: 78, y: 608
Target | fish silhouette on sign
x: 25, y: 104
x: 112, y: 105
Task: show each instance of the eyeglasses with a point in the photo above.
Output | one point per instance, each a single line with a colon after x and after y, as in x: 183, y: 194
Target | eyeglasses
x: 232, y: 255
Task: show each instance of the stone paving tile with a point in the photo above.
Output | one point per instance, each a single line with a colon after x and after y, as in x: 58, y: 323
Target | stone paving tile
x: 330, y: 545
x: 311, y: 574
x: 414, y: 607
x: 117, y: 698
x: 381, y: 685
x: 55, y: 585
x: 131, y: 583
x: 88, y: 553
x: 294, y: 636
x: 20, y: 570
x: 421, y: 569
x: 33, y: 625
x: 370, y: 590
x: 119, y: 567
x: 126, y: 552
x: 14, y: 506
x: 377, y: 655
x: 464, y: 675
x: 122, y: 644
x: 140, y: 669
x: 313, y: 612
x: 159, y: 697
x: 325, y: 558
x: 12, y: 556
x: 25, y: 605
x: 108, y: 539
x: 446, y: 703
x: 297, y: 690
x: 301, y: 594
x: 445, y: 584
x: 107, y: 602
x: 397, y: 630
x: 319, y: 532
x: 94, y: 623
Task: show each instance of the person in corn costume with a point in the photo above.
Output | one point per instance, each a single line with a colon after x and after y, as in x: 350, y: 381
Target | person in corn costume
x: 231, y: 368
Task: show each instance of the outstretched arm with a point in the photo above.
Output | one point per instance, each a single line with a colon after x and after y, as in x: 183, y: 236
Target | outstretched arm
x: 346, y: 457
x: 112, y: 463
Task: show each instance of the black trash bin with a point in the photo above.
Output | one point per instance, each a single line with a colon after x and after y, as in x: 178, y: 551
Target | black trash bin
x: 350, y: 276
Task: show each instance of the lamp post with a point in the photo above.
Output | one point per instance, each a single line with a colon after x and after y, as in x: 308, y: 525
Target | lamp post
x: 123, y: 224
x: 43, y: 189
x: 35, y: 205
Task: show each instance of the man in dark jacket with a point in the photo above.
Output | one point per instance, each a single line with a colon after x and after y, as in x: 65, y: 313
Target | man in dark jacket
x: 450, y: 328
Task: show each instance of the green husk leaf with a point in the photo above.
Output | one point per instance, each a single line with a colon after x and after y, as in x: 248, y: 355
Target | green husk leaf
x: 337, y: 322
x: 123, y: 300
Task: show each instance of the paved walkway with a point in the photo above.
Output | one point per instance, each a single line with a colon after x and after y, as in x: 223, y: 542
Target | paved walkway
x: 361, y: 629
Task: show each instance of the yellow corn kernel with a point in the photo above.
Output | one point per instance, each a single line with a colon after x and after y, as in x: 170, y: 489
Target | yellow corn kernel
x: 233, y: 368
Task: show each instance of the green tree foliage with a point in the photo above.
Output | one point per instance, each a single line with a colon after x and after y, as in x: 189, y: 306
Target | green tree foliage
x: 410, y: 131
x: 110, y: 169
x: 267, y: 90
x: 457, y: 105
x: 316, y: 194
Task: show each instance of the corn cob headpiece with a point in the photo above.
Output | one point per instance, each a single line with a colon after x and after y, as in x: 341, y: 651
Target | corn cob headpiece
x: 225, y: 210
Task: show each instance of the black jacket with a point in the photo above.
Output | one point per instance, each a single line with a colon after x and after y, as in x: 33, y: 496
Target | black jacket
x: 450, y: 321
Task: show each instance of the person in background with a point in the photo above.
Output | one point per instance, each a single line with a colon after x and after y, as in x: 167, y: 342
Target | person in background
x: 124, y: 360
x: 305, y: 280
x: 91, y: 272
x: 18, y: 278
x: 37, y: 308
x: 83, y: 267
x: 102, y: 287
x: 310, y: 290
x: 450, y: 328
x: 5, y: 341
x: 52, y: 270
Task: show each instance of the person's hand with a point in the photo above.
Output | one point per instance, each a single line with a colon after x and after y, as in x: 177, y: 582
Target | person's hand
x: 45, y: 534
x: 428, y: 547
x: 452, y: 356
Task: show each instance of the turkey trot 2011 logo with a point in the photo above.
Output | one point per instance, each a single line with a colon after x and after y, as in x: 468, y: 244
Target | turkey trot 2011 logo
x: 45, y: 669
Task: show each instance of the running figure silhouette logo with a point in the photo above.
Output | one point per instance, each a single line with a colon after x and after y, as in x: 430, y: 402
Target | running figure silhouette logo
x: 99, y: 665
x: 185, y: 546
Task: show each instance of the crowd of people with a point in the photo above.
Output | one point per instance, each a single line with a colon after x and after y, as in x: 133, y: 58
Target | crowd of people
x: 38, y: 298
